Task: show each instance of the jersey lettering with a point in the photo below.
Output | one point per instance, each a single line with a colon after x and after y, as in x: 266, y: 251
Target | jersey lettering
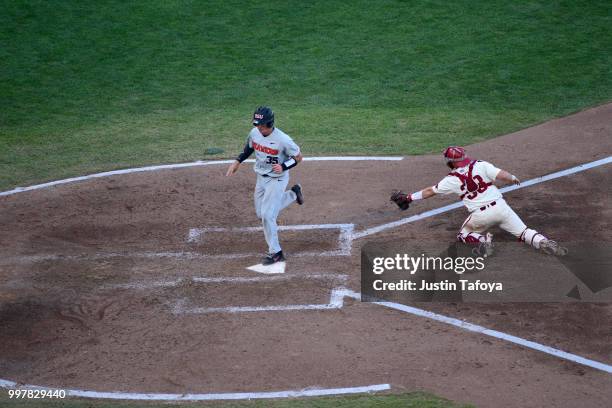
x: 265, y: 149
x: 472, y: 185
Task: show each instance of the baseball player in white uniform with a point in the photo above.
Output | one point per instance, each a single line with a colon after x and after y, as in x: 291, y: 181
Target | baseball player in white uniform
x: 473, y: 181
x: 275, y: 154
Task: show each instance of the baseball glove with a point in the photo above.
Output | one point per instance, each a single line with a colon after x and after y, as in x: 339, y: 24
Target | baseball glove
x: 401, y: 199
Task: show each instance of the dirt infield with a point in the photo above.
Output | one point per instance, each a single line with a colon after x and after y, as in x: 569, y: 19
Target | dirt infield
x: 102, y: 288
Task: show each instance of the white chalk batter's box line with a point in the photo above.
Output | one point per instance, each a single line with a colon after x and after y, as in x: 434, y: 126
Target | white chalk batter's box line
x: 221, y: 279
x: 345, y: 238
x: 182, y: 255
x: 336, y: 301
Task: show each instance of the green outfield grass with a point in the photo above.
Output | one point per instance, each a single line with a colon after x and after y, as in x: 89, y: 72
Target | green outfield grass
x: 91, y: 86
x: 409, y: 400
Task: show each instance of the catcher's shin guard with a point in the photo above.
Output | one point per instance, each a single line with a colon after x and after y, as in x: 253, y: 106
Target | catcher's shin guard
x: 532, y: 237
x: 470, y: 237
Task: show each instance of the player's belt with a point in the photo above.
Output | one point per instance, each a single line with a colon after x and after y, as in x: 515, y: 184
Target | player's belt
x: 487, y: 206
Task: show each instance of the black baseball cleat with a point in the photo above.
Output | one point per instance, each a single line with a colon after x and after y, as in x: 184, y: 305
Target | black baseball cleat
x: 299, y: 197
x: 274, y: 258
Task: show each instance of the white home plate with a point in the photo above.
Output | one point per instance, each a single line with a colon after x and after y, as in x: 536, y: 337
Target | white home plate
x: 275, y: 268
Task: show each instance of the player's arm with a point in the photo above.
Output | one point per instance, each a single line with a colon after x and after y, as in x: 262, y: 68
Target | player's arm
x: 291, y: 162
x: 423, y: 194
x: 233, y: 168
x: 497, y: 175
x: 504, y: 177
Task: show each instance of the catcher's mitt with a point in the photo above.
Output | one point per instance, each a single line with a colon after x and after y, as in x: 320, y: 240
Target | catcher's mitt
x: 401, y: 199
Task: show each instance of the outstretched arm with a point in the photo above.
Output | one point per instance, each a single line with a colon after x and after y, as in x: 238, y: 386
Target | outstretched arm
x: 423, y: 194
x: 504, y: 177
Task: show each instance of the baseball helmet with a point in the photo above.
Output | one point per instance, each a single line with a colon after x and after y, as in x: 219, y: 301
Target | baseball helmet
x: 263, y: 115
x: 455, y: 157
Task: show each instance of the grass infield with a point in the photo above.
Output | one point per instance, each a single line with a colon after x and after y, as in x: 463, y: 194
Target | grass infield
x: 93, y: 86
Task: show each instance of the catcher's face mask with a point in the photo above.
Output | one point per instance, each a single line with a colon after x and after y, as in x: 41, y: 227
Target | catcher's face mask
x: 454, y: 154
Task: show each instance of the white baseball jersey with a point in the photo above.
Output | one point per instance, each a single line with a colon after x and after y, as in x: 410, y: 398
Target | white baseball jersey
x: 474, y: 194
x: 275, y: 148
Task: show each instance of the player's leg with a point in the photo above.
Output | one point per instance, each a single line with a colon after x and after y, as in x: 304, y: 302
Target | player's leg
x: 287, y: 199
x: 258, y: 195
x: 514, y: 225
x: 271, y: 202
x: 473, y: 230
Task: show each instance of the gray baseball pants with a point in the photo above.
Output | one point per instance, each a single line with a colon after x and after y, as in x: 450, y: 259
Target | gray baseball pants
x: 270, y: 199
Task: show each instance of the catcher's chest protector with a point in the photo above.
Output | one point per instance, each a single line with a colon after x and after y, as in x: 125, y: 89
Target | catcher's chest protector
x: 473, y: 184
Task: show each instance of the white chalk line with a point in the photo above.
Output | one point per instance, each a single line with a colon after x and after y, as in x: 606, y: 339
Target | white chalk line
x: 242, y: 279
x: 345, y: 238
x: 488, y: 332
x: 182, y: 165
x: 307, y: 392
x: 450, y: 207
x: 237, y: 279
x: 336, y: 301
x: 194, y: 235
x: 183, y: 255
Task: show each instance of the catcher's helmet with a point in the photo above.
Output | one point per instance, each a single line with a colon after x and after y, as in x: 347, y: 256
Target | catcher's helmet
x: 455, y: 157
x: 263, y: 115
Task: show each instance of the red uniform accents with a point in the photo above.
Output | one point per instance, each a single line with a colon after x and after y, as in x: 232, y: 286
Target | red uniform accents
x: 455, y: 157
x: 472, y: 185
x: 470, y: 238
x: 265, y: 149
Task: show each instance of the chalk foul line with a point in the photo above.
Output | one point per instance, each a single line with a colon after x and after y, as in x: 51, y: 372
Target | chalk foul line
x: 183, y: 165
x: 337, y: 302
x: 307, y: 392
x: 488, y: 332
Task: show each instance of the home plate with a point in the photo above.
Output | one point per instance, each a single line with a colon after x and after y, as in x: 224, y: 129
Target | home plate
x: 277, y: 267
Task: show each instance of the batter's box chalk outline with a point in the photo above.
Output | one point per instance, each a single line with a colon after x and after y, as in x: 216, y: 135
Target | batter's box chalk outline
x: 345, y: 237
x: 223, y: 279
x: 336, y: 301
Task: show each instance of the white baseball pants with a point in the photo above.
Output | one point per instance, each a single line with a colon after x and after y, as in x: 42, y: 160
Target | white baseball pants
x: 500, y: 214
